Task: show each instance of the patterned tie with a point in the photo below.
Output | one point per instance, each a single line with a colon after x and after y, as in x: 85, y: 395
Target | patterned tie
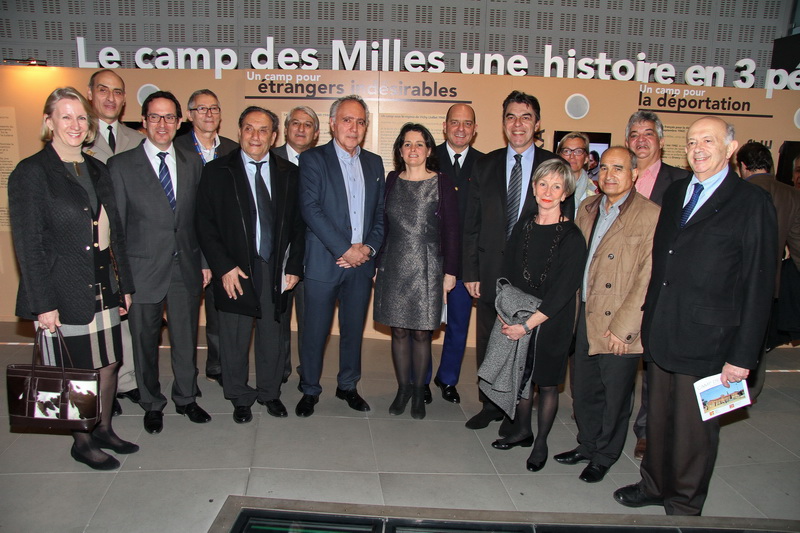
x: 688, y: 208
x: 514, y: 194
x: 112, y: 142
x: 456, y: 165
x: 165, y: 179
x: 264, y: 203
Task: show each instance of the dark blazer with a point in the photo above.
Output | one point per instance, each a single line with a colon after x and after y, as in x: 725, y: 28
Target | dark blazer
x: 226, y: 229
x: 484, y: 238
x: 155, y: 234
x: 185, y: 142
x: 281, y: 152
x: 446, y: 212
x: 712, y: 283
x: 51, y: 222
x: 462, y: 182
x: 127, y: 139
x: 323, y: 203
x: 667, y: 174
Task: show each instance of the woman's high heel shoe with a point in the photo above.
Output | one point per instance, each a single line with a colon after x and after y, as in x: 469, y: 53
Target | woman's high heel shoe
x: 401, y: 400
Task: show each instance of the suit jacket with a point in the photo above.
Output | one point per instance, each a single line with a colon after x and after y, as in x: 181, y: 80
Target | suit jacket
x: 619, y: 271
x: 484, y: 238
x: 185, y: 143
x: 281, y: 152
x: 323, y: 204
x: 786, y: 200
x: 51, y: 222
x: 463, y: 180
x: 127, y: 139
x: 155, y: 234
x: 227, y: 232
x: 711, y: 288
x: 667, y: 174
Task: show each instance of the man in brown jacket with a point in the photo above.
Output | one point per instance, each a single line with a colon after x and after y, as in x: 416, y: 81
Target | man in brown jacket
x: 618, y: 226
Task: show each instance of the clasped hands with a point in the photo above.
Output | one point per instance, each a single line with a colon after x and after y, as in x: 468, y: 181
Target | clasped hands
x: 355, y: 256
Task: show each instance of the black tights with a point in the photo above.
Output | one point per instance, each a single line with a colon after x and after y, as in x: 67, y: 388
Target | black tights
x: 411, y: 355
x: 108, y: 391
x: 520, y: 428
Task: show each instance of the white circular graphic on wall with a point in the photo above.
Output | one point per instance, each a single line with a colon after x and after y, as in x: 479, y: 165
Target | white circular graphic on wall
x: 797, y: 119
x: 577, y: 106
x: 144, y: 91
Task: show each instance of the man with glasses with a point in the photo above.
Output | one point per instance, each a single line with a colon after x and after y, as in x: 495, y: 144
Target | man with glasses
x: 155, y: 186
x: 574, y: 148
x: 204, y: 140
x: 498, y: 198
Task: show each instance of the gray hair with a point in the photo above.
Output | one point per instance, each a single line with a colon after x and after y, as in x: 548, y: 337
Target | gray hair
x: 645, y: 116
x: 352, y: 98
x: 305, y: 109
x: 207, y: 92
x: 559, y: 168
x: 574, y: 135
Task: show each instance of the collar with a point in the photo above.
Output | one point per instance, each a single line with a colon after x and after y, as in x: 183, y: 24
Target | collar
x: 343, y: 154
x: 152, y: 150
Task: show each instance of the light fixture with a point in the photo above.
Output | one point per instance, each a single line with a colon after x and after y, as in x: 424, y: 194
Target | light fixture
x: 31, y: 62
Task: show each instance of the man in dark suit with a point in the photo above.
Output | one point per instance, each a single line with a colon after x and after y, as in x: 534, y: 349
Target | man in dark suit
x: 301, y: 129
x: 205, y: 114
x: 754, y: 161
x: 705, y: 313
x: 341, y: 199
x: 644, y: 136
x: 107, y: 95
x: 248, y: 219
x: 498, y: 198
x: 155, y: 185
x: 456, y: 159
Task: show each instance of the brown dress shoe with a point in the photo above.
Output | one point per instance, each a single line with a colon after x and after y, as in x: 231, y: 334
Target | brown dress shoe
x: 641, y: 447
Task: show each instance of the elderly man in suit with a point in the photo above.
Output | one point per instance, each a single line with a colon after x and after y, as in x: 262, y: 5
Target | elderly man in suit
x: 498, y: 198
x: 644, y: 136
x: 248, y: 220
x: 106, y: 93
x: 754, y: 162
x: 456, y: 159
x: 705, y: 313
x: 204, y: 139
x: 618, y: 225
x: 301, y: 129
x: 155, y: 185
x: 341, y: 199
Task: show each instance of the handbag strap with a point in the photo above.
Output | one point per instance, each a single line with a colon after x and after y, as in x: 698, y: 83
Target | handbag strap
x: 38, y: 349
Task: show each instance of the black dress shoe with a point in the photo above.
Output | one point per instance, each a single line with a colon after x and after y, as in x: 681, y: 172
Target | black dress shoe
x: 427, y: 396
x: 210, y: 376
x: 195, y: 413
x: 242, y: 414
x: 535, y: 466
x: 109, y: 463
x: 593, y: 473
x: 275, y: 408
x: 353, y: 399
x: 132, y: 395
x: 305, y: 407
x: 571, y: 457
x: 484, y: 418
x: 502, y: 444
x: 153, y: 421
x: 449, y: 392
x: 123, y: 446
x: 634, y: 496
x: 116, y: 408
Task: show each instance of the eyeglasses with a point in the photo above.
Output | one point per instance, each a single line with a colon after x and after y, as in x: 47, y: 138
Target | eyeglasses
x: 155, y: 118
x: 566, y: 152
x: 214, y: 109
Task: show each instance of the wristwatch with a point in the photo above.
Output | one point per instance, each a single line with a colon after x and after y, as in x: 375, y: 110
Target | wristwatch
x: 526, y: 328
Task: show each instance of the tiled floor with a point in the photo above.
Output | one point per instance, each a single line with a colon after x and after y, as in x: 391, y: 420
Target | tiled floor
x: 179, y: 479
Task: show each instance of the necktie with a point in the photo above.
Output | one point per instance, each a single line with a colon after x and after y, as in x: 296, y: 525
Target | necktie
x: 688, y: 208
x: 264, y: 203
x: 514, y: 194
x: 456, y: 165
x: 112, y: 142
x: 165, y: 179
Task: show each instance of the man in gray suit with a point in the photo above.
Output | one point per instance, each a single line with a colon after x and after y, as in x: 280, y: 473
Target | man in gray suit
x: 301, y: 129
x: 155, y: 185
x: 107, y: 96
x: 205, y: 114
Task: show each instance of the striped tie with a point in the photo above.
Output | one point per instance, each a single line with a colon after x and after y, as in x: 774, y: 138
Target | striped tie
x: 689, y: 207
x: 165, y: 179
x: 514, y: 194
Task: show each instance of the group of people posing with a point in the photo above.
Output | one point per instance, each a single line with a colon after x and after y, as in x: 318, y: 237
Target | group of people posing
x: 647, y: 259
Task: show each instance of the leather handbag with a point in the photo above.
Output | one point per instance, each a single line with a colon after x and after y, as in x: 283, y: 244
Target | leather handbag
x: 52, y: 398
